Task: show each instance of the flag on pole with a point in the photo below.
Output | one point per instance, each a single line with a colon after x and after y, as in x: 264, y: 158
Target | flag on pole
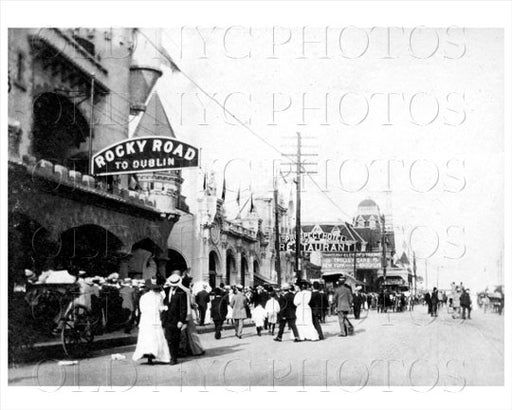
x: 238, y: 197
x: 251, y: 210
x: 223, y: 195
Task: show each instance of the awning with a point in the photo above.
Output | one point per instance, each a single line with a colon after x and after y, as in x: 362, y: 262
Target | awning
x: 258, y: 278
x: 349, y: 277
x: 394, y: 273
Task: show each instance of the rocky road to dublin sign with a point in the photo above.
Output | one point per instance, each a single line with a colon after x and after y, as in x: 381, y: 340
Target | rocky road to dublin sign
x: 144, y: 154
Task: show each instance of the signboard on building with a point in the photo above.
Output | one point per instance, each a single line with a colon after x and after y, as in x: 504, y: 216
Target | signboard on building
x: 318, y: 240
x: 345, y: 261
x: 144, y: 154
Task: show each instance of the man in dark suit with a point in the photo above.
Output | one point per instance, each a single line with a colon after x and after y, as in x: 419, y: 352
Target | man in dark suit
x: 434, y: 302
x: 202, y: 299
x: 219, y: 310
x: 287, y: 314
x: 317, y: 309
x: 357, y: 302
x: 428, y: 301
x: 325, y: 304
x: 174, y: 317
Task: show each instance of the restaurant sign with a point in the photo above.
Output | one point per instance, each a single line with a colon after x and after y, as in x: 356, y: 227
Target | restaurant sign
x: 144, y: 154
x: 345, y: 261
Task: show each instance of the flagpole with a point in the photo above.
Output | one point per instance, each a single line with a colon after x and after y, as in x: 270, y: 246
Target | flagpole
x: 91, y: 124
x: 277, y: 234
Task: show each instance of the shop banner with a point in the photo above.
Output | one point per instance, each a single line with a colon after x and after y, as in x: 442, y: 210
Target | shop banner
x: 144, y: 154
x: 345, y: 261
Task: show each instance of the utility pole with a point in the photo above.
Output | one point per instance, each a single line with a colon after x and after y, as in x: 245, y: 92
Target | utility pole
x: 91, y: 125
x: 298, y: 230
x: 355, y: 260
x: 277, y: 234
x: 384, y: 256
x: 300, y: 169
x: 414, y: 272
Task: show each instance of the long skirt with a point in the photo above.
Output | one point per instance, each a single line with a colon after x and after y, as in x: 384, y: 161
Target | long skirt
x: 151, y: 341
x: 190, y: 344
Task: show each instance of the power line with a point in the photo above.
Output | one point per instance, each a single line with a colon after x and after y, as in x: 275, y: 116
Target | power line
x: 243, y: 124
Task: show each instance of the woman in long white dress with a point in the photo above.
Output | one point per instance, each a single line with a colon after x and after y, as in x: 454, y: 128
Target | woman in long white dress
x: 151, y: 341
x: 272, y: 308
x: 258, y: 317
x: 229, y: 316
x: 304, y: 315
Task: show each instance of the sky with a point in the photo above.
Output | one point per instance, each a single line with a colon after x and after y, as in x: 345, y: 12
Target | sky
x: 410, y: 117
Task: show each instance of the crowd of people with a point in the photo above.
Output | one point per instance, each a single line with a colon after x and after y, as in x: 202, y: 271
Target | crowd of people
x: 458, y: 301
x: 167, y: 314
x: 168, y: 311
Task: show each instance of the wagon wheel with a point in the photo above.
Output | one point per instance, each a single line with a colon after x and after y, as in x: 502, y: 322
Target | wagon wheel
x: 76, y: 333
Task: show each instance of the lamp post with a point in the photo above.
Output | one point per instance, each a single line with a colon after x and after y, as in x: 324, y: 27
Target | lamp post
x: 384, y: 256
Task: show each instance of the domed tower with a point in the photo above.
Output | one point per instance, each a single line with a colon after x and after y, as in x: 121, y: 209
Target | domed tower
x: 368, y: 215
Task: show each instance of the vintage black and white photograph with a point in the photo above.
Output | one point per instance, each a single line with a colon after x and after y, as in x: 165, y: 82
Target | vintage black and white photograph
x: 236, y: 206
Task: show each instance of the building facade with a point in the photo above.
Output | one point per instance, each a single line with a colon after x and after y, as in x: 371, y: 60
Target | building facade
x: 71, y: 94
x: 230, y: 251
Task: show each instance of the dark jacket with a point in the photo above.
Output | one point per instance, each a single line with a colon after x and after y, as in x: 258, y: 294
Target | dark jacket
x: 465, y: 299
x: 358, y: 301
x: 219, y: 308
x: 325, y: 301
x: 176, y: 308
x: 287, y: 306
x: 260, y: 298
x: 202, y: 298
x: 316, y: 303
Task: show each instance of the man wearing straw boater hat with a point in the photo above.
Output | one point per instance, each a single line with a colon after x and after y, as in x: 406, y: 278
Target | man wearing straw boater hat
x: 174, y: 316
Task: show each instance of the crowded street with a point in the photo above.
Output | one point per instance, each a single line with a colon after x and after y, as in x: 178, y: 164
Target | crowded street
x: 421, y: 351
x: 255, y: 208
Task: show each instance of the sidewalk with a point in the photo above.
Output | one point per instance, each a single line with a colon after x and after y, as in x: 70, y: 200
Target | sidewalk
x: 53, y: 349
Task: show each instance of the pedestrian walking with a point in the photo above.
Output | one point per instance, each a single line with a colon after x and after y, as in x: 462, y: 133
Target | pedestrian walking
x: 287, y: 314
x: 357, y: 302
x: 151, y: 342
x: 343, y: 299
x: 202, y: 299
x: 258, y: 316
x: 272, y: 309
x: 434, y: 301
x: 304, y: 321
x: 175, y: 314
x: 229, y: 295
x: 317, y: 308
x: 465, y: 304
x: 324, y: 304
x: 428, y: 300
x: 190, y: 340
x: 456, y: 303
x: 239, y: 304
x: 219, y: 310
